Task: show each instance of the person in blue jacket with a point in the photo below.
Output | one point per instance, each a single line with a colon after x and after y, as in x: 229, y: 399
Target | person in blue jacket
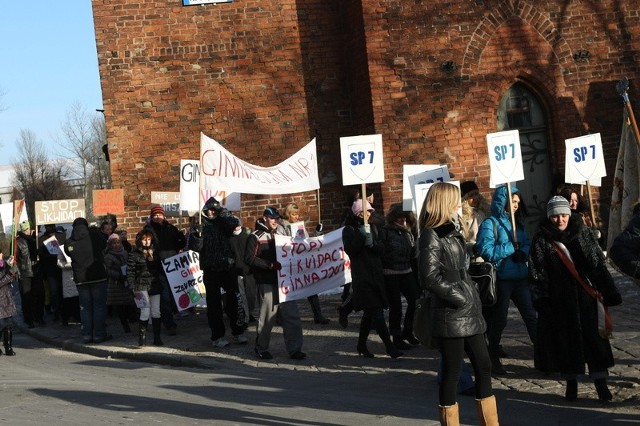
x: 496, y: 244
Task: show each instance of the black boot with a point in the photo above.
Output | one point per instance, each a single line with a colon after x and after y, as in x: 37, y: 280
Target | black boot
x: 604, y: 394
x: 122, y: 316
x: 383, y: 332
x: 365, y: 327
x: 399, y: 343
x: 157, y: 324
x: 318, y: 318
x: 7, y: 337
x: 142, y: 332
x: 571, y: 394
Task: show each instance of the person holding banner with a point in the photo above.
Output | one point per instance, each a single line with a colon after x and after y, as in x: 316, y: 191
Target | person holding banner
x: 571, y: 286
x: 30, y: 278
x: 260, y: 255
x: 458, y: 324
x: 169, y: 241
x: 364, y: 248
x: 217, y: 261
x: 143, y: 275
x: 495, y: 243
x: 291, y: 215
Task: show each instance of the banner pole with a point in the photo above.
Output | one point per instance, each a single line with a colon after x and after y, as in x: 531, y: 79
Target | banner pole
x: 319, y: 209
x: 365, y: 212
x: 513, y: 216
x: 592, y: 212
x: 199, y: 213
x: 623, y: 87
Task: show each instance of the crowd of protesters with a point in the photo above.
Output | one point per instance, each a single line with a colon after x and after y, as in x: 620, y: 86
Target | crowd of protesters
x: 556, y: 278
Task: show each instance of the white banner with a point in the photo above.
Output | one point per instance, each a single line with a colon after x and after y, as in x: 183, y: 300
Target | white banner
x: 189, y: 189
x: 223, y: 170
x: 505, y: 157
x: 584, y: 160
x: 185, y: 278
x: 311, y: 265
x: 6, y: 213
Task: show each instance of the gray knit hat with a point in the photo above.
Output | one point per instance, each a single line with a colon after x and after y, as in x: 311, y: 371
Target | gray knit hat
x: 558, y: 205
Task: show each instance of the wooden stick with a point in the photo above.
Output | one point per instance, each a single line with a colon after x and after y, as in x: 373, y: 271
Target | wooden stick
x: 593, y: 215
x: 513, y: 215
x: 365, y: 212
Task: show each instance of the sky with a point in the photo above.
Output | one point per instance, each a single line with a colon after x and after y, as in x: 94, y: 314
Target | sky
x: 48, y: 62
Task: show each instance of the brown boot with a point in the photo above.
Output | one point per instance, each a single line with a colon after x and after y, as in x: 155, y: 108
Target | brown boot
x: 487, y: 411
x: 449, y: 415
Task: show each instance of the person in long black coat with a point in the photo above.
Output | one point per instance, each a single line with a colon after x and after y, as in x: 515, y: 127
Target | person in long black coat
x: 364, y: 250
x: 568, y: 332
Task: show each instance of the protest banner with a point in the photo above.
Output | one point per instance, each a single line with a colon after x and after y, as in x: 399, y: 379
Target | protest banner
x: 190, y: 189
x: 505, y: 157
x: 311, y: 265
x: 6, y: 214
x: 185, y: 278
x: 169, y: 201
x: 223, y: 170
x: 59, y: 211
x: 584, y: 160
x: 107, y: 201
x: 417, y: 174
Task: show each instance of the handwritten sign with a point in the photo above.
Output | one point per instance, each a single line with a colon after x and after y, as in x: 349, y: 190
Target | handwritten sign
x: 170, y: 202
x: 505, y: 157
x: 362, y: 159
x: 311, y: 265
x: 185, y: 278
x: 417, y: 174
x: 108, y: 201
x: 59, y: 211
x: 584, y: 160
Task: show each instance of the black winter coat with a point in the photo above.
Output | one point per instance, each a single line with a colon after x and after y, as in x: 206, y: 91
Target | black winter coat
x: 169, y: 240
x: 625, y: 250
x: 85, y: 247
x: 216, y: 253
x: 442, y: 263
x: 366, y: 267
x: 568, y: 334
x: 143, y: 274
x: 399, y: 247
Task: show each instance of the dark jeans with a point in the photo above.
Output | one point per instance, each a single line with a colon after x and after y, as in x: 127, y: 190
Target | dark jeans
x: 508, y: 290
x: 228, y: 281
x: 452, y: 351
x: 167, y: 303
x: 397, y: 286
x: 54, y: 281
x: 32, y: 297
x: 93, y: 310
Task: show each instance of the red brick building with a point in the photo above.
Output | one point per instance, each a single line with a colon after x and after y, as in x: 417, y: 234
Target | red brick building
x: 433, y: 77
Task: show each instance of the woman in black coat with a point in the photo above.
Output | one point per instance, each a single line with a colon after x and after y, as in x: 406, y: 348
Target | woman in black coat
x: 364, y: 250
x: 143, y: 272
x: 458, y: 325
x: 568, y: 331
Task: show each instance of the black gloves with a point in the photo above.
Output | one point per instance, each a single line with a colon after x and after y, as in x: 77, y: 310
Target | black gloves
x: 519, y: 256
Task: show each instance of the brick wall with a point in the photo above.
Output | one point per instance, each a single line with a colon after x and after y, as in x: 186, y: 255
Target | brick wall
x: 264, y: 77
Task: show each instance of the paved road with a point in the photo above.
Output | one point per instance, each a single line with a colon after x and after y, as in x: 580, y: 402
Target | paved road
x: 525, y: 396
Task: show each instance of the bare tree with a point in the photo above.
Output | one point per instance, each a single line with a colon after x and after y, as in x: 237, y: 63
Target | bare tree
x: 83, y: 137
x: 37, y: 177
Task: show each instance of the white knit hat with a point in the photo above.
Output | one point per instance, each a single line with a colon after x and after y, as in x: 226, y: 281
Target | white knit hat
x: 558, y: 205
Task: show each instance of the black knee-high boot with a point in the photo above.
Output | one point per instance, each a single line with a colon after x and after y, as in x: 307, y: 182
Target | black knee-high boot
x: 142, y: 332
x: 7, y: 337
x: 365, y: 327
x: 121, y: 311
x: 156, y: 322
x: 381, y: 327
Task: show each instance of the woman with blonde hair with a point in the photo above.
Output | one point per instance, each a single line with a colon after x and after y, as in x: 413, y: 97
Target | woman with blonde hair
x: 458, y: 325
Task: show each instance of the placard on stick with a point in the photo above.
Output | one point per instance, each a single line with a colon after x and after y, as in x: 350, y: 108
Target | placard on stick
x: 362, y: 159
x: 505, y: 157
x: 108, y: 201
x: 584, y: 160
